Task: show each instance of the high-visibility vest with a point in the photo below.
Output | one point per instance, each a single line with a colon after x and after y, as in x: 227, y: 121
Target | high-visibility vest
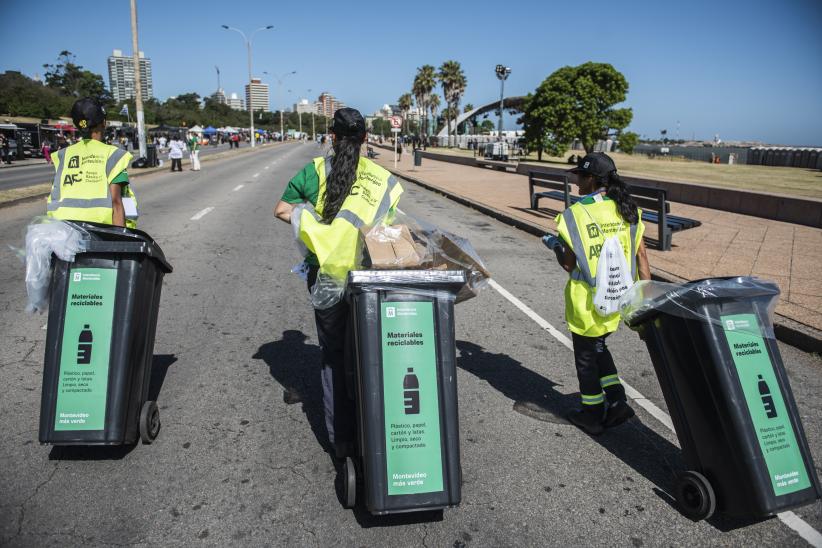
x: 83, y: 172
x: 338, y: 245
x: 577, y: 225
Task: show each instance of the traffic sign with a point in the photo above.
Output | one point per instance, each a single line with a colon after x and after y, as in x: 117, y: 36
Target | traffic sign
x: 396, y: 121
x: 395, y: 130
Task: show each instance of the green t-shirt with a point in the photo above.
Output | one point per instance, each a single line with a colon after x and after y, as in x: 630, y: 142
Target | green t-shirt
x: 121, y: 179
x: 304, y: 187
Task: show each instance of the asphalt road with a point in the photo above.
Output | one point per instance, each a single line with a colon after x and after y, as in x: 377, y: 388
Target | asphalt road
x: 41, y: 172
x: 235, y: 464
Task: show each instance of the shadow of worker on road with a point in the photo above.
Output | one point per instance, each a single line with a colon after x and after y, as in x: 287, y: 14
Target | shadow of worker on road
x: 296, y: 366
x: 648, y: 453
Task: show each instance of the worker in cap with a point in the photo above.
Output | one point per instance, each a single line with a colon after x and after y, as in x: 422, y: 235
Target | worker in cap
x: 606, y: 209
x: 345, y: 192
x: 90, y: 180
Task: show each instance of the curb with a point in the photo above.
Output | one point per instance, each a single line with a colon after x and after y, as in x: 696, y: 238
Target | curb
x: 793, y: 333
x: 149, y: 171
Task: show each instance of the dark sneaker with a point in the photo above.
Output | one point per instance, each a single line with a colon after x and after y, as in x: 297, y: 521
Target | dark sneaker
x: 291, y: 396
x: 588, y: 422
x: 618, y: 413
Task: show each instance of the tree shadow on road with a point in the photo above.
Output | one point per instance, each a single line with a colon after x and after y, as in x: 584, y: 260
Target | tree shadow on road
x: 296, y: 366
x: 159, y: 368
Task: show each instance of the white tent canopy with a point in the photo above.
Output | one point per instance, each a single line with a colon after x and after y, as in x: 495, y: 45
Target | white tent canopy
x: 196, y: 129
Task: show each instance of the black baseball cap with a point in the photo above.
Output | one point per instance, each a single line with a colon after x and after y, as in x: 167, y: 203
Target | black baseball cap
x: 87, y: 113
x: 348, y: 122
x: 597, y: 164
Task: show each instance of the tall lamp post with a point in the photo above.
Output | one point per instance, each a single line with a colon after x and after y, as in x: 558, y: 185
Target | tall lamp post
x: 138, y: 86
x: 313, y: 130
x: 280, y: 80
x: 248, y: 47
x: 502, y: 74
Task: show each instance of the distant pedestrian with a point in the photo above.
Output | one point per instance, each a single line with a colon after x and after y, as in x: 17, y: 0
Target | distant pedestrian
x: 194, y: 151
x: 46, y: 150
x: 175, y: 153
x: 5, y: 147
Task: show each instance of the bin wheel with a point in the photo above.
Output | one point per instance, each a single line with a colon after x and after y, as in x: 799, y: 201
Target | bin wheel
x: 695, y: 495
x: 149, y: 422
x: 349, y: 483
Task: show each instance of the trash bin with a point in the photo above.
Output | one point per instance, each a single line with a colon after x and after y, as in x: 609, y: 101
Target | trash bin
x: 100, y: 341
x: 405, y: 387
x: 417, y: 158
x: 712, y: 345
x: 151, y: 155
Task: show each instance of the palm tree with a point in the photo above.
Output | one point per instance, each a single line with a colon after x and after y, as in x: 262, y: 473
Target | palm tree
x: 424, y: 83
x: 405, y: 102
x: 453, y: 81
x: 468, y: 108
x: 434, y: 105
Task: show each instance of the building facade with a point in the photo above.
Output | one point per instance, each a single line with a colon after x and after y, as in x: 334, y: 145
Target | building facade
x: 256, y: 95
x: 121, y: 76
x: 235, y: 102
x: 327, y: 104
x: 305, y: 107
x: 219, y: 97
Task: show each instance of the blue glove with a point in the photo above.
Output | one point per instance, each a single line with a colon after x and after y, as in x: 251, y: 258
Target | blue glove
x: 554, y: 244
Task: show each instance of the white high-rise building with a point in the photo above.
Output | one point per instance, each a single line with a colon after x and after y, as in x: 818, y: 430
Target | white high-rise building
x: 256, y: 95
x: 121, y: 76
x: 235, y: 102
x: 304, y: 107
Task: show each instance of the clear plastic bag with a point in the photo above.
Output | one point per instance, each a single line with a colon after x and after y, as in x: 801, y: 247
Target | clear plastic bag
x: 688, y: 300
x: 46, y: 236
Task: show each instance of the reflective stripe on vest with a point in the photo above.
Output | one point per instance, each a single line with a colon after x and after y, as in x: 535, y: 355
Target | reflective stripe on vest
x: 583, y: 270
x: 82, y: 172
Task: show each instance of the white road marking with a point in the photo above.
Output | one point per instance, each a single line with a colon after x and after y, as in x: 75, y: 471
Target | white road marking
x: 256, y: 175
x: 267, y: 167
x: 203, y: 213
x: 45, y: 326
x: 238, y: 187
x: 808, y: 533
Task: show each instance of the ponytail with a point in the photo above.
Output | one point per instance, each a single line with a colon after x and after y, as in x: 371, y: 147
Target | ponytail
x: 342, y: 176
x: 618, y: 192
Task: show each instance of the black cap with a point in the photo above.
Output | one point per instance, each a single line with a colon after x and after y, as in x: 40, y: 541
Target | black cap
x: 597, y: 164
x: 348, y: 122
x: 87, y: 113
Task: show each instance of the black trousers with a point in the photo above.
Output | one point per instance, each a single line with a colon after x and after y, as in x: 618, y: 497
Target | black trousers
x: 178, y: 163
x: 596, y: 371
x: 333, y: 330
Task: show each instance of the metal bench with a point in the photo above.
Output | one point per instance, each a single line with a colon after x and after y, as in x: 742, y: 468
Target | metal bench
x: 496, y: 164
x: 651, y: 200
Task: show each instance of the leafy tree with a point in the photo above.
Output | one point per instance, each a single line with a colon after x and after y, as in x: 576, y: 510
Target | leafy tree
x: 434, y: 104
x: 575, y: 102
x: 453, y: 82
x: 423, y: 86
x: 22, y: 96
x: 487, y: 125
x: 468, y: 108
x: 69, y: 78
x: 628, y: 141
x: 380, y: 126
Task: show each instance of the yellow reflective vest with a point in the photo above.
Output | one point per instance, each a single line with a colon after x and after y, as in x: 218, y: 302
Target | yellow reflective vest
x: 338, y: 245
x: 80, y: 190
x: 577, y: 226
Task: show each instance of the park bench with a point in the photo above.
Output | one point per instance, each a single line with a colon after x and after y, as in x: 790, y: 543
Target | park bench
x: 652, y: 201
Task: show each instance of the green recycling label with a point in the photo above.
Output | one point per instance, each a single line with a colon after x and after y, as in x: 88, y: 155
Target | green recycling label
x: 84, y: 357
x: 777, y: 439
x: 411, y: 398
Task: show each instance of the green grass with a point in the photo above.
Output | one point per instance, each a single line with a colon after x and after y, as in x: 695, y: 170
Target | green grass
x: 789, y: 181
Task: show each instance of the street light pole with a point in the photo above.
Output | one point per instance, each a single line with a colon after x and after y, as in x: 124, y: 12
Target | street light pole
x: 313, y: 130
x: 280, y: 98
x: 138, y: 85
x: 248, y: 41
x: 502, y: 74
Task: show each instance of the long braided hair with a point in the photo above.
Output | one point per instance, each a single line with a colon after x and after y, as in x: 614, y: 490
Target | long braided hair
x: 617, y: 190
x: 342, y: 176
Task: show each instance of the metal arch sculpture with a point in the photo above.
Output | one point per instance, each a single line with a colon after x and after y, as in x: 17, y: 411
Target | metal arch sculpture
x: 509, y: 103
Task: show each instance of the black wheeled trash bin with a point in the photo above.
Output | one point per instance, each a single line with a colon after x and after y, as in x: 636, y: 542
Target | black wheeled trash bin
x: 405, y: 389
x: 417, y: 158
x: 100, y: 341
x: 712, y: 345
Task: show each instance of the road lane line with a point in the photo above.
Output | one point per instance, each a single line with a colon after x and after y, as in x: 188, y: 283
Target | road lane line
x: 256, y: 175
x: 801, y: 527
x: 238, y: 187
x: 203, y: 213
x: 267, y: 167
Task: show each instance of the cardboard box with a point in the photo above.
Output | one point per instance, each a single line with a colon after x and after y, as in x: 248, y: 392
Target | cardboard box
x: 392, y: 247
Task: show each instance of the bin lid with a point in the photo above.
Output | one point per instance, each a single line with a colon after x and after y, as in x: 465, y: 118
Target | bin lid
x: 685, y: 298
x: 448, y: 280
x: 117, y: 239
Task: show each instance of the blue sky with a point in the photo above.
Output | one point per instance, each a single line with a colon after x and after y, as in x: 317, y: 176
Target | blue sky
x: 742, y: 69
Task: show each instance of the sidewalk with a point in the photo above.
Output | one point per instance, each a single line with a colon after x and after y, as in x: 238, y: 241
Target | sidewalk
x: 727, y: 244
